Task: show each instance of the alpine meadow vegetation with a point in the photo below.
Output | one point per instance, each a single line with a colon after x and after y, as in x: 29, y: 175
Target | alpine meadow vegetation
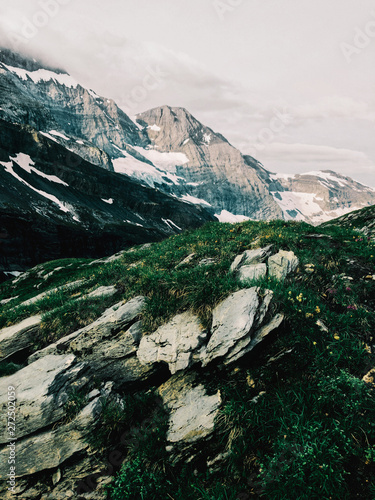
x: 297, y: 421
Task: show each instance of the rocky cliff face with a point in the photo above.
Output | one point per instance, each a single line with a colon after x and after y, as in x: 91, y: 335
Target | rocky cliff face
x: 214, y: 170
x: 51, y: 100
x: 55, y: 204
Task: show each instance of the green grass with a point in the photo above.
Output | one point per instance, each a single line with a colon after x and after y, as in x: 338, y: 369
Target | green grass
x: 75, y: 403
x: 311, y: 434
x: 9, y: 368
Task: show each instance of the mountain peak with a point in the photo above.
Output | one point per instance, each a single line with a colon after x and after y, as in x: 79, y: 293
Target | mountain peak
x: 175, y: 127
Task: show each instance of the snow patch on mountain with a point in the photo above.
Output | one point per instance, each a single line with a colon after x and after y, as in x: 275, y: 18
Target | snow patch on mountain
x: 43, y: 75
x: 165, y: 161
x: 207, y: 138
x: 49, y: 136
x: 137, y: 169
x: 304, y: 207
x: 195, y: 201
x: 93, y: 94
x: 298, y: 206
x: 171, y: 224
x: 25, y: 162
x: 134, y: 120
x: 225, y: 216
x: 59, y: 134
x: 155, y: 128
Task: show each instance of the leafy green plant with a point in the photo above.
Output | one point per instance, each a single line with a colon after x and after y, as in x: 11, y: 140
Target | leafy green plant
x: 77, y: 400
x: 9, y: 368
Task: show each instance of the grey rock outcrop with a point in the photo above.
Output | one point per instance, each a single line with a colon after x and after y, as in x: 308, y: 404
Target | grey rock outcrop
x: 103, y: 292
x: 252, y: 272
x: 250, y: 265
x: 109, y: 344
x: 43, y: 295
x: 51, y: 448
x: 176, y: 343
x: 281, y: 264
x: 251, y: 257
x: 19, y: 337
x: 216, y: 171
x: 235, y: 323
x: 192, y: 411
x: 259, y: 335
x: 42, y: 389
x: 186, y: 260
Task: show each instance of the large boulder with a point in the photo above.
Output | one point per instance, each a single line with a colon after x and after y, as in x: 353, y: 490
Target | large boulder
x: 282, y: 264
x: 235, y: 323
x: 19, y: 337
x: 259, y: 335
x: 175, y: 343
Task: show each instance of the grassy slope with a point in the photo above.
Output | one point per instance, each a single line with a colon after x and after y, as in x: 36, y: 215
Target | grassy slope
x: 363, y: 219
x: 311, y: 434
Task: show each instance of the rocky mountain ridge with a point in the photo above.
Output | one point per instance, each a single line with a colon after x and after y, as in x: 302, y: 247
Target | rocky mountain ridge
x: 165, y: 148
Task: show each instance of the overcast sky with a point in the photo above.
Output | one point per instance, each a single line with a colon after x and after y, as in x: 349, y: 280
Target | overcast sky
x: 291, y: 82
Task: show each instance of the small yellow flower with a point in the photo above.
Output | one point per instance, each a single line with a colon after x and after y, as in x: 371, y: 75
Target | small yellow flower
x: 314, y: 343
x: 317, y: 309
x: 336, y: 336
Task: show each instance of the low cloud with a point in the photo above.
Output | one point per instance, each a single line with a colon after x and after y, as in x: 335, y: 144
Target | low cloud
x: 336, y: 107
x: 307, y: 153
x: 299, y: 158
x: 140, y: 75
